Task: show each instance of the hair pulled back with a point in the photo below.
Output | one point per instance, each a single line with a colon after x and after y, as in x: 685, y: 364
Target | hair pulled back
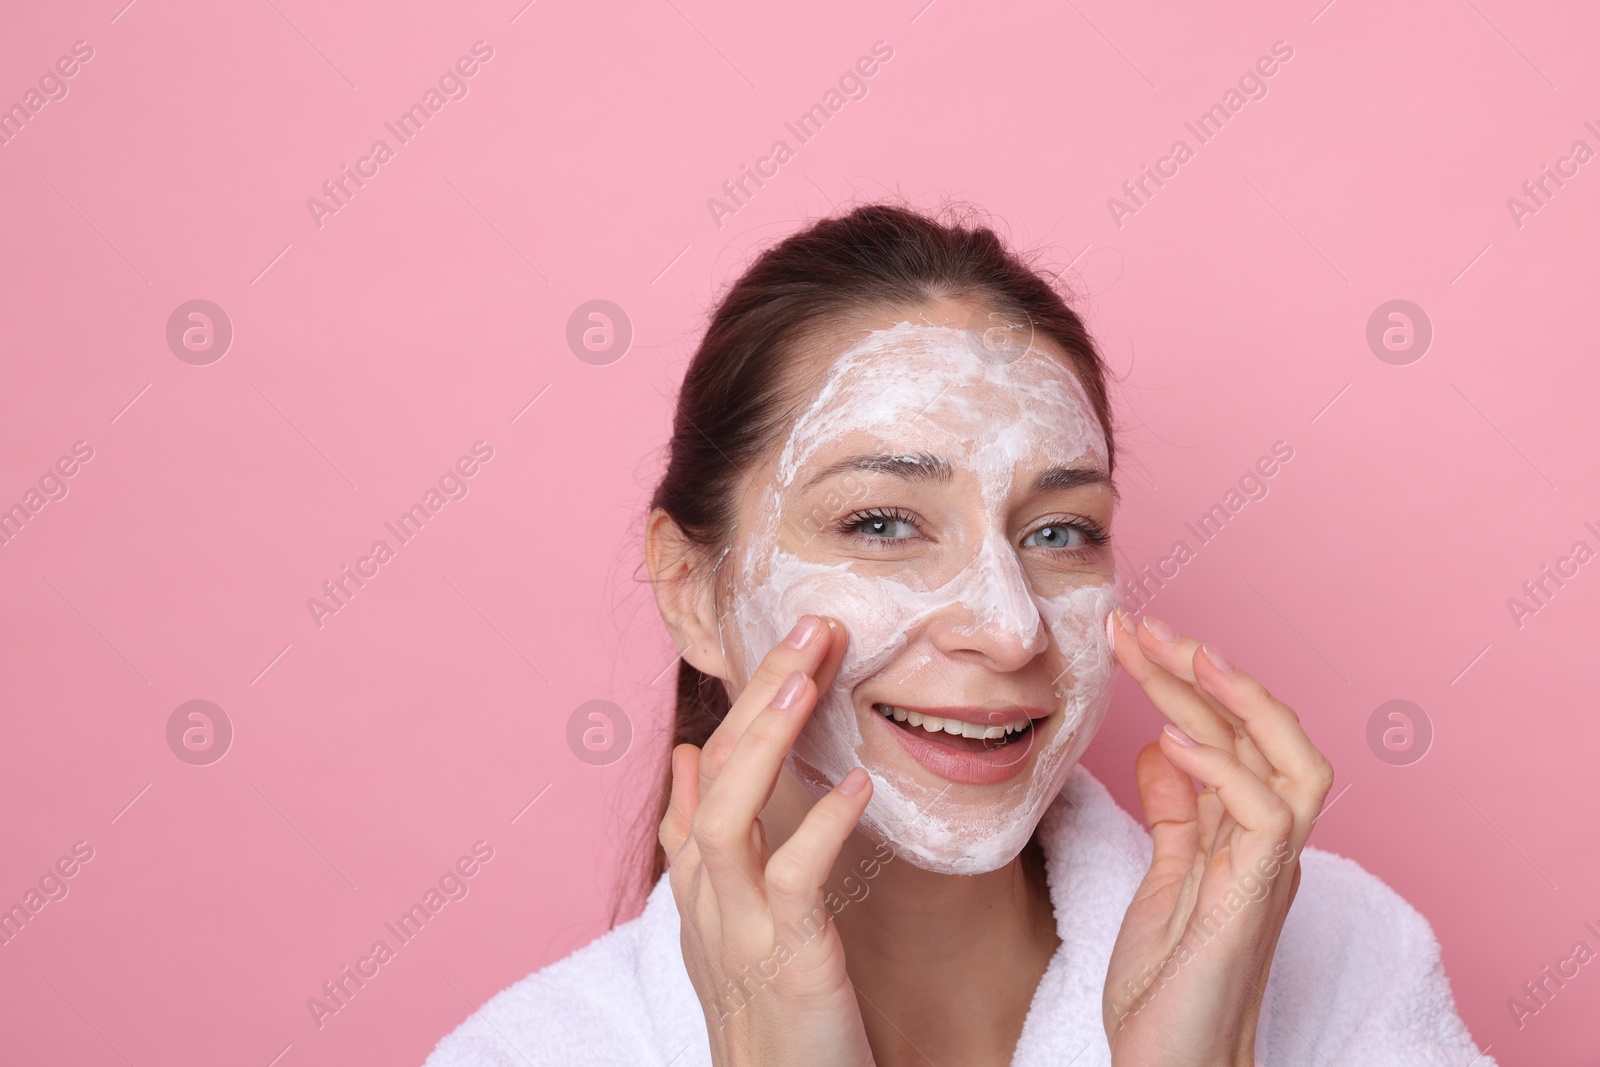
x: 732, y: 409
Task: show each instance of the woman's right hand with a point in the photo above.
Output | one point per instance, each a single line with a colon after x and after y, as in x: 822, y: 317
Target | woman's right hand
x: 758, y: 943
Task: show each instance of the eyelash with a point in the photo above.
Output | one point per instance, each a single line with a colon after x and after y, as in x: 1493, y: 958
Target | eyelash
x: 851, y: 526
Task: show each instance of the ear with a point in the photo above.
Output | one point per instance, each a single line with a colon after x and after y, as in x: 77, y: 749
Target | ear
x: 685, y: 589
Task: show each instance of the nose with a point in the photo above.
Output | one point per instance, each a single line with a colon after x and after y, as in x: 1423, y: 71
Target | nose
x: 990, y: 611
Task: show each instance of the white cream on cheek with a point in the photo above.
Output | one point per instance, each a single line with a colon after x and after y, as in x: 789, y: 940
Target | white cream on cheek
x: 922, y: 387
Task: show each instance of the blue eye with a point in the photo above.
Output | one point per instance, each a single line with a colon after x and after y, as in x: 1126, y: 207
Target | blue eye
x: 880, y: 524
x: 886, y: 527
x: 1056, y: 536
x: 1080, y: 536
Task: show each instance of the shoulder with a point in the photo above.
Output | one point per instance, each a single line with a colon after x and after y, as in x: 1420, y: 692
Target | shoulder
x: 589, y: 1007
x: 1357, y: 973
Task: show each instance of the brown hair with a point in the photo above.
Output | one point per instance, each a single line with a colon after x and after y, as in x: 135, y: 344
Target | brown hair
x: 732, y: 408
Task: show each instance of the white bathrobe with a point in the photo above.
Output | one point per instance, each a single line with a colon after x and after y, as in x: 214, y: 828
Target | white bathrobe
x: 1356, y: 981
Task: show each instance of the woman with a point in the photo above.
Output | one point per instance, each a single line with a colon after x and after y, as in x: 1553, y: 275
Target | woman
x: 882, y: 543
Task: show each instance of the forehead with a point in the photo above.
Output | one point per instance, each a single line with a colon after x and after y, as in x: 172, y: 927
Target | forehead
x: 917, y: 386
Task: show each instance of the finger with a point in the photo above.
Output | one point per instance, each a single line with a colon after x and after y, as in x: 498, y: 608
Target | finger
x: 1174, y: 652
x: 751, y: 772
x: 733, y: 857
x: 1177, y: 657
x: 797, y: 872
x: 683, y: 799
x: 731, y: 863
x: 1261, y: 813
x: 804, y: 649
x: 838, y: 640
x: 1175, y: 698
x: 733, y: 795
x: 1274, y: 728
x: 1170, y: 810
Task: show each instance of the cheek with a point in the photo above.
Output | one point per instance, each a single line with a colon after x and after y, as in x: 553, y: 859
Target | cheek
x: 1077, y: 623
x: 875, y: 613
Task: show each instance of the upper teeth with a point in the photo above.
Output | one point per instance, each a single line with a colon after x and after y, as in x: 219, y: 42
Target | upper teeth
x: 934, y: 724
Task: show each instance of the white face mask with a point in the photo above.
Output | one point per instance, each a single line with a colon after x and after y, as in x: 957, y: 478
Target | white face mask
x: 913, y: 390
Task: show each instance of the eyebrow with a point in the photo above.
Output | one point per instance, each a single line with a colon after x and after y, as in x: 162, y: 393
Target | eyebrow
x: 1073, y: 478
x: 924, y: 466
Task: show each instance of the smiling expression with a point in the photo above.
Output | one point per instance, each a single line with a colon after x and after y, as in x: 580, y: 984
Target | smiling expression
x: 952, y: 510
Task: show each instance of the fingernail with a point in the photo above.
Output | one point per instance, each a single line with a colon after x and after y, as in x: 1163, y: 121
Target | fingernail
x: 854, y: 782
x: 1125, y: 617
x: 1111, y: 635
x: 1179, y: 736
x: 805, y: 631
x: 1160, y: 630
x: 790, y: 690
x: 1221, y: 664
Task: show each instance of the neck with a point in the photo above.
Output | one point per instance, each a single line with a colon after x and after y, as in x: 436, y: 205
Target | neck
x: 945, y: 966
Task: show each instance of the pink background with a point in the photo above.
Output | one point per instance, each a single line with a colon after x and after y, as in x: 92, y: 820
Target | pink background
x: 372, y: 351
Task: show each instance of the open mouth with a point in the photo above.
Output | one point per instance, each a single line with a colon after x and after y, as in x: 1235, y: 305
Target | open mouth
x: 959, y: 734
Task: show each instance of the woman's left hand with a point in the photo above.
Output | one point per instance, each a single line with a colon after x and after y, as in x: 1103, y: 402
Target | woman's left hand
x: 1190, y: 964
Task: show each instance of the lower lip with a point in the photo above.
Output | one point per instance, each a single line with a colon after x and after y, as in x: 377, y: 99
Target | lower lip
x: 967, y: 768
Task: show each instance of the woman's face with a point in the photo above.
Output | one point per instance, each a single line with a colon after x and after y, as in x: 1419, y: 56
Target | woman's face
x: 948, y: 500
